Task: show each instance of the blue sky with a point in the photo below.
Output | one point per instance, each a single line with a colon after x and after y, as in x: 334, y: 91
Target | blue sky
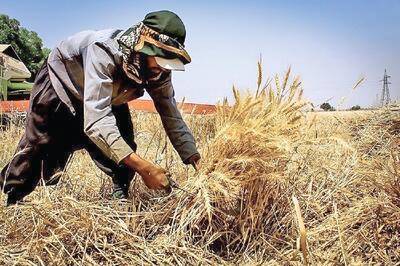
x: 330, y: 44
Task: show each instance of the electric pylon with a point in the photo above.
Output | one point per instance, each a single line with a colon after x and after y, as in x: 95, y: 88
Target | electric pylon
x: 385, y: 99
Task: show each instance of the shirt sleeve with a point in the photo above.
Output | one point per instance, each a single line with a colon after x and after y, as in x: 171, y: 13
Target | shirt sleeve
x: 99, y: 121
x: 179, y: 134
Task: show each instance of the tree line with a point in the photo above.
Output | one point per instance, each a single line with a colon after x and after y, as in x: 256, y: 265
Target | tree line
x: 27, y: 44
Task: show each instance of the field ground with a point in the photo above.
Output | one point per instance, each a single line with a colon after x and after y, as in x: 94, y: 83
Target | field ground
x: 342, y: 167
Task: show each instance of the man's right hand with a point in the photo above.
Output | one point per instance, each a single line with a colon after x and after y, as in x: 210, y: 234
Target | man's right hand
x: 153, y: 176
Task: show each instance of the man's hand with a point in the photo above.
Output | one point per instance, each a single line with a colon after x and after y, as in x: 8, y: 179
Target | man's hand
x: 194, y: 160
x: 153, y: 176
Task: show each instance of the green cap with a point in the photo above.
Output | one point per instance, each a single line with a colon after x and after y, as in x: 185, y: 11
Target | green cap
x: 168, y: 23
x: 169, y: 43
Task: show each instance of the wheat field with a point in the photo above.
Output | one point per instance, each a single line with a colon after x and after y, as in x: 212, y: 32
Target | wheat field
x: 277, y: 185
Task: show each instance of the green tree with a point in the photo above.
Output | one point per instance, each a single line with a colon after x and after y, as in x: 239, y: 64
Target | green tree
x: 26, y: 43
x: 355, y: 108
x: 327, y: 107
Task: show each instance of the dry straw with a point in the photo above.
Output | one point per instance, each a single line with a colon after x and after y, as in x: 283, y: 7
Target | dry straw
x: 258, y: 152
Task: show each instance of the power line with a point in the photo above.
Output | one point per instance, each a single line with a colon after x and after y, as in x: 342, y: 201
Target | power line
x: 385, y: 99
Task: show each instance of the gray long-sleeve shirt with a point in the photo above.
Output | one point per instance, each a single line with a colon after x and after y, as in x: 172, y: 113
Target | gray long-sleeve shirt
x: 88, y: 65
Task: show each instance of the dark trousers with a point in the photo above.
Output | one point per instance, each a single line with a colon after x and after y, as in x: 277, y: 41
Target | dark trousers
x: 52, y: 134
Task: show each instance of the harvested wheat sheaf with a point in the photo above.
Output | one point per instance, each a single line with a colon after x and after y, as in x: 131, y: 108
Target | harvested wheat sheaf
x: 258, y: 153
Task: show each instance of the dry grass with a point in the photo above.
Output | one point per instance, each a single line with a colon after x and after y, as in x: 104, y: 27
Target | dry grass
x: 258, y: 152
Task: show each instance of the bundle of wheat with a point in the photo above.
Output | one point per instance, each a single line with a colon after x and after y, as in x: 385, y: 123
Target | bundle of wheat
x: 241, y: 191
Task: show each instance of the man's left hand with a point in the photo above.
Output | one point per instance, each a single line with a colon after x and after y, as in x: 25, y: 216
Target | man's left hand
x: 194, y: 160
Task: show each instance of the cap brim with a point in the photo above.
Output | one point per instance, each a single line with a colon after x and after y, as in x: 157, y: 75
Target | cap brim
x: 170, y: 64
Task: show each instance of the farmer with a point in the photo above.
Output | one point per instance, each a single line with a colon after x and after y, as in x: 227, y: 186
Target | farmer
x: 79, y: 100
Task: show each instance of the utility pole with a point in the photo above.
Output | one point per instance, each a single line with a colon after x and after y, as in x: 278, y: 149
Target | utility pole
x: 385, y: 99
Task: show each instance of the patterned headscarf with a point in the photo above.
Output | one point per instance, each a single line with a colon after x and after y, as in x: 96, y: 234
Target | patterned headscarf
x: 142, y: 39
